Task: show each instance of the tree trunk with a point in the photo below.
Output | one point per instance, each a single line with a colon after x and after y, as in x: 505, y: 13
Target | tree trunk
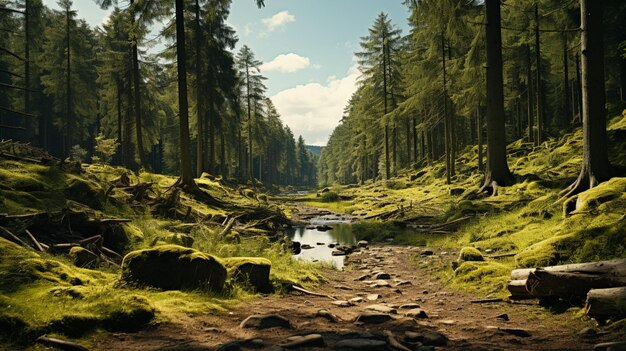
x: 387, y: 163
x: 186, y: 173
x: 249, y: 97
x: 415, y: 153
x: 27, y: 64
x: 529, y: 91
x: 137, y: 95
x: 200, y: 147
x: 479, y: 127
x: 518, y: 291
x: 446, y: 120
x: 596, y: 167
x: 539, y: 99
x: 120, y: 148
x: 614, y: 268
x: 497, y: 171
x: 567, y: 107
x: 542, y: 283
x: 603, y: 304
x: 579, y: 90
x: 69, y: 138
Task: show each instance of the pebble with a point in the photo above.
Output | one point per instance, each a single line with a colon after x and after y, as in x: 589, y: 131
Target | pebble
x: 381, y: 309
x: 342, y: 303
x: 416, y: 313
x: 374, y: 297
x: 298, y: 341
x: 265, y: 321
x: 356, y: 300
x: 372, y: 318
x: 409, y: 306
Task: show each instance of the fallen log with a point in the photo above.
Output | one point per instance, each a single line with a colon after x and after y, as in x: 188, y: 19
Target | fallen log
x: 227, y: 229
x: 615, y: 267
x: 542, y: 283
x: 603, y: 304
x: 518, y: 290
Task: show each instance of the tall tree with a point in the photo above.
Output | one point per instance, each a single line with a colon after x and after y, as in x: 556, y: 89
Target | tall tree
x: 497, y: 171
x: 595, y: 167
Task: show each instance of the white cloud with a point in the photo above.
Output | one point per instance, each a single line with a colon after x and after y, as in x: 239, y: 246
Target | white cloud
x: 279, y: 20
x: 313, y: 110
x: 286, y: 63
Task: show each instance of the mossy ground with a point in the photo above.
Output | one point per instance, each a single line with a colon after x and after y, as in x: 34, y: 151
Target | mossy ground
x: 41, y: 293
x: 528, y: 221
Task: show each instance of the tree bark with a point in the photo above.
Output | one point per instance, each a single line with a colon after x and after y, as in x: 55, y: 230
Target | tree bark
x: 200, y: 146
x: 603, y: 304
x: 616, y: 267
x: 446, y: 120
x: 137, y: 94
x: 387, y: 163
x: 497, y: 171
x: 479, y: 127
x: 186, y: 173
x: 567, y: 107
x: 69, y: 138
x: 542, y: 283
x: 529, y: 88
x: 596, y: 167
x: 538, y: 100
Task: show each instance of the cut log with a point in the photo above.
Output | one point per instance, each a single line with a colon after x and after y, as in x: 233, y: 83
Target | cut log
x: 542, y: 283
x: 518, y: 291
x: 615, y: 267
x: 603, y: 304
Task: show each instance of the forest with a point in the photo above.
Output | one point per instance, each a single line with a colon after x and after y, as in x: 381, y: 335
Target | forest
x: 471, y: 196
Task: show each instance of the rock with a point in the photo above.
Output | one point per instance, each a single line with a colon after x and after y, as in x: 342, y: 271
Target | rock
x: 344, y: 248
x: 381, y: 308
x: 610, y: 346
x: 172, y: 267
x: 363, y: 277
x: 504, y: 317
x: 343, y: 287
x: 427, y: 337
x: 457, y: 191
x: 360, y: 345
x: 321, y: 244
x: 409, y: 306
x: 297, y: 341
x: 296, y: 247
x: 254, y: 343
x: 362, y: 244
x: 342, y: 303
x: 356, y: 300
x: 513, y: 331
x: 310, y: 227
x: 403, y: 282
x: 470, y: 254
x: 448, y: 321
x: 323, y: 228
x: 259, y: 321
x: 427, y: 253
x: 588, y: 333
x: 374, y: 297
x: 251, y: 271
x: 84, y: 258
x: 231, y: 346
x: 382, y: 276
x: 328, y: 315
x: 416, y: 313
x: 306, y: 247
x: 372, y: 318
x: 338, y: 253
x: 380, y: 284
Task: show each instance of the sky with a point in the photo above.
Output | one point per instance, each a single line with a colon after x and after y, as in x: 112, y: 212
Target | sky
x: 307, y: 49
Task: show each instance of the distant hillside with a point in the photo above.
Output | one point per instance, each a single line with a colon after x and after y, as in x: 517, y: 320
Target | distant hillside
x: 316, y: 150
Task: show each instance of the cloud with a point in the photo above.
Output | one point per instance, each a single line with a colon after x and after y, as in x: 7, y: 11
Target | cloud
x: 313, y: 110
x: 279, y: 20
x: 286, y: 63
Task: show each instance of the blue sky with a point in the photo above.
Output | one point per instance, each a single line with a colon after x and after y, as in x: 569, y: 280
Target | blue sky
x: 307, y: 48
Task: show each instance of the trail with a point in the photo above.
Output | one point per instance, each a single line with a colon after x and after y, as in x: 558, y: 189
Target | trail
x: 465, y: 325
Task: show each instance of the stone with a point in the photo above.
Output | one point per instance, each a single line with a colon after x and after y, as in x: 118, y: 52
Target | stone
x: 381, y: 308
x: 172, y: 267
x: 306, y: 247
x: 380, y: 284
x: 416, y: 313
x: 321, y: 244
x: 382, y: 276
x: 296, y: 247
x: 84, y: 258
x: 587, y: 332
x: 504, y: 317
x: 360, y: 345
x: 356, y: 300
x: 374, y: 297
x: 448, y: 321
x: 251, y: 271
x: 409, y: 306
x: 342, y: 303
x: 298, y: 341
x: 344, y: 248
x: 323, y: 228
x: 231, y: 346
x: 427, y: 253
x: 403, y: 282
x: 338, y: 253
x: 362, y: 243
x: 328, y: 315
x: 259, y: 321
x: 363, y: 277
x: 254, y: 343
x: 331, y: 245
x: 427, y: 337
x: 372, y: 318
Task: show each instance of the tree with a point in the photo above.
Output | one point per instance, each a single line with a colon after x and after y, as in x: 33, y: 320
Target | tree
x: 252, y: 90
x: 595, y: 167
x: 497, y: 171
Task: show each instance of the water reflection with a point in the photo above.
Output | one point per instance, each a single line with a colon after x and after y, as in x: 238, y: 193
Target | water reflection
x: 341, y: 233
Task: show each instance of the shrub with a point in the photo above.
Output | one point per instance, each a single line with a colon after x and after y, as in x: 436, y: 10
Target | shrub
x: 330, y: 196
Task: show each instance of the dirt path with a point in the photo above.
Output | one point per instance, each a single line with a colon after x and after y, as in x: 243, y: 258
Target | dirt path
x: 466, y: 325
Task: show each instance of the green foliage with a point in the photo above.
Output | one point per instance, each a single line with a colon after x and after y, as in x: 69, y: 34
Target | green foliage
x: 330, y: 196
x: 105, y: 149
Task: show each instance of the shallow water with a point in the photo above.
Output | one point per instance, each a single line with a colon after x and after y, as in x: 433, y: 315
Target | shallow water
x: 341, y: 233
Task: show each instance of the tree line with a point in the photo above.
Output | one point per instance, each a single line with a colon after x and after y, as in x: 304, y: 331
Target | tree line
x: 481, y: 73
x: 106, y: 93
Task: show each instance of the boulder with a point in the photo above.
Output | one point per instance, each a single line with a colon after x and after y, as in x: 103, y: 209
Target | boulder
x: 470, y: 254
x: 84, y: 258
x: 362, y: 244
x: 251, y: 271
x: 172, y: 267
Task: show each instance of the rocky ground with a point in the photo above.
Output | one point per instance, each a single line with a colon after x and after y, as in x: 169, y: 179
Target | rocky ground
x: 381, y: 301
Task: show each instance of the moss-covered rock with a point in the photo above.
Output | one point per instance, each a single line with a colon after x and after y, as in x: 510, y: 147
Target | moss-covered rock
x: 84, y: 191
x: 251, y: 271
x: 173, y: 267
x: 179, y: 239
x: 470, y: 254
x: 84, y: 258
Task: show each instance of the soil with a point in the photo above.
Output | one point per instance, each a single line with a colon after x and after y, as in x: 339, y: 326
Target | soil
x: 467, y: 325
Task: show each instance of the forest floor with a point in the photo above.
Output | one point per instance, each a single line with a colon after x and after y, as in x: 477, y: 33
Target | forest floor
x: 466, y: 325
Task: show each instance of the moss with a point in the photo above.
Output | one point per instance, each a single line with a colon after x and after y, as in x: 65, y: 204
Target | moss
x: 83, y: 257
x: 544, y: 253
x: 470, y: 254
x: 330, y: 196
x: 172, y: 267
x: 251, y: 271
x: 596, y: 198
x: 487, y: 278
x: 84, y: 191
